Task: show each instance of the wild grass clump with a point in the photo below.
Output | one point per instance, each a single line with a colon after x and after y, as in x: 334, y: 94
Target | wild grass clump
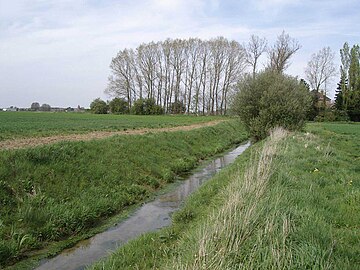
x: 219, y: 241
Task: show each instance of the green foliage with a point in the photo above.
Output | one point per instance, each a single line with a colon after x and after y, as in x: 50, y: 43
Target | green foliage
x: 98, y: 106
x: 119, y: 106
x: 348, y: 91
x: 45, y: 108
x: 339, y: 97
x: 177, y: 108
x: 146, y: 107
x: 35, y: 106
x: 56, y: 191
x: 270, y: 100
x: 314, y: 109
x: 326, y: 115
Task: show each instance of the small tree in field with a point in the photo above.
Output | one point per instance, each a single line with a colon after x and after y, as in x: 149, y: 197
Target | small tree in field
x: 271, y: 99
x: 35, y: 106
x: 98, y: 106
x: 45, y: 107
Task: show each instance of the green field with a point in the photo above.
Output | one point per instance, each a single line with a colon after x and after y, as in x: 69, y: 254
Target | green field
x: 291, y: 202
x: 36, y: 124
x: 61, y: 191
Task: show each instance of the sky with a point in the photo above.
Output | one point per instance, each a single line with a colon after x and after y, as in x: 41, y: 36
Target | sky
x: 59, y: 52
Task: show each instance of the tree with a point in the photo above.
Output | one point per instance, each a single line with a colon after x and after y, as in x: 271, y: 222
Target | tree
x: 35, y: 106
x: 321, y: 69
x: 348, y: 93
x: 254, y: 49
x: 118, y: 106
x: 314, y: 108
x: 270, y: 100
x: 281, y: 52
x: 45, y: 107
x: 198, y: 73
x: 99, y: 106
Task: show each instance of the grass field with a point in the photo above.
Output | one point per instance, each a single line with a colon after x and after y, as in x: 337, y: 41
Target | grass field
x: 57, y: 191
x: 291, y: 202
x: 38, y: 124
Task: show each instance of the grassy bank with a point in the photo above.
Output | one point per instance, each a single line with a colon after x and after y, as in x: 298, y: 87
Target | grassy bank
x: 38, y: 124
x: 292, y: 202
x: 58, y: 191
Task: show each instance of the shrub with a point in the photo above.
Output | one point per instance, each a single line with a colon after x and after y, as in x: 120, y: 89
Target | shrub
x: 341, y: 115
x: 146, y: 107
x: 177, y: 107
x: 270, y: 100
x: 98, y: 106
x: 118, y: 106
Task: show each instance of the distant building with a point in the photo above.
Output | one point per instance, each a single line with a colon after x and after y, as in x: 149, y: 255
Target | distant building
x: 57, y: 109
x: 320, y: 95
x: 79, y: 109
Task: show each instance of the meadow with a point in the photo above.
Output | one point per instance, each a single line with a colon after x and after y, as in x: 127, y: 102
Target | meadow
x: 59, y: 192
x: 289, y: 202
x: 40, y: 124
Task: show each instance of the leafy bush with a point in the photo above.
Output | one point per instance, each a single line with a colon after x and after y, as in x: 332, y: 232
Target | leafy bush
x: 270, y: 100
x: 118, y: 106
x: 98, y: 106
x: 341, y: 115
x: 177, y: 107
x: 146, y: 106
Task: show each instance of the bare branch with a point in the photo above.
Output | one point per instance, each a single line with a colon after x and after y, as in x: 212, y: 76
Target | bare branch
x: 281, y: 52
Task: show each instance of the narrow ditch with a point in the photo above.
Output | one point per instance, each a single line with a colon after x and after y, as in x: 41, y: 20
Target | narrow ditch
x: 151, y: 216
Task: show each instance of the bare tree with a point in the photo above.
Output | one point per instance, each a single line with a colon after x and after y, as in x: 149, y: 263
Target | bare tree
x: 281, y: 52
x: 321, y: 68
x: 180, y: 75
x: 254, y: 49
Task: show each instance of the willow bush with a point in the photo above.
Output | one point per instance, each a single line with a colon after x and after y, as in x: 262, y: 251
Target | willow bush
x: 269, y: 100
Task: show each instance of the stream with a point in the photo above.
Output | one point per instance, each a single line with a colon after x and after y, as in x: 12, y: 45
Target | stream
x: 149, y: 217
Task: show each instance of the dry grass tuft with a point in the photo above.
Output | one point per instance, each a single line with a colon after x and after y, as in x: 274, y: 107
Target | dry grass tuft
x: 228, y: 229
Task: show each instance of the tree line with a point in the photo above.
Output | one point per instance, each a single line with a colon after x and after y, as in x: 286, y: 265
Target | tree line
x: 321, y: 70
x: 348, y: 90
x: 191, y: 75
x: 179, y: 75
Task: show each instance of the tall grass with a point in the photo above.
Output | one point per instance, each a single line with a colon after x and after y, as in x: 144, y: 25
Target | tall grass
x: 58, y: 191
x: 225, y: 232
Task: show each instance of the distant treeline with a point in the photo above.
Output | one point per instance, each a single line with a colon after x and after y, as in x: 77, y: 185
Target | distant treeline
x: 179, y: 75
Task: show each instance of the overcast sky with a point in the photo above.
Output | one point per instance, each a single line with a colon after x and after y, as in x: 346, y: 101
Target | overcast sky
x: 58, y: 52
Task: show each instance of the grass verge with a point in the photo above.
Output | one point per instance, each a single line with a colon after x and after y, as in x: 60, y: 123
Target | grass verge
x: 59, y: 191
x: 292, y: 202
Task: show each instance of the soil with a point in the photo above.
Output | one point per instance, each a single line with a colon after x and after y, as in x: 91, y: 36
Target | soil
x: 38, y: 141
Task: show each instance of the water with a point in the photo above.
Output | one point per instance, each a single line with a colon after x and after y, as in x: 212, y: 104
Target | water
x: 149, y: 217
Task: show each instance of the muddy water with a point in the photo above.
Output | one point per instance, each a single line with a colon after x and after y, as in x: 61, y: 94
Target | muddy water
x: 149, y: 217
